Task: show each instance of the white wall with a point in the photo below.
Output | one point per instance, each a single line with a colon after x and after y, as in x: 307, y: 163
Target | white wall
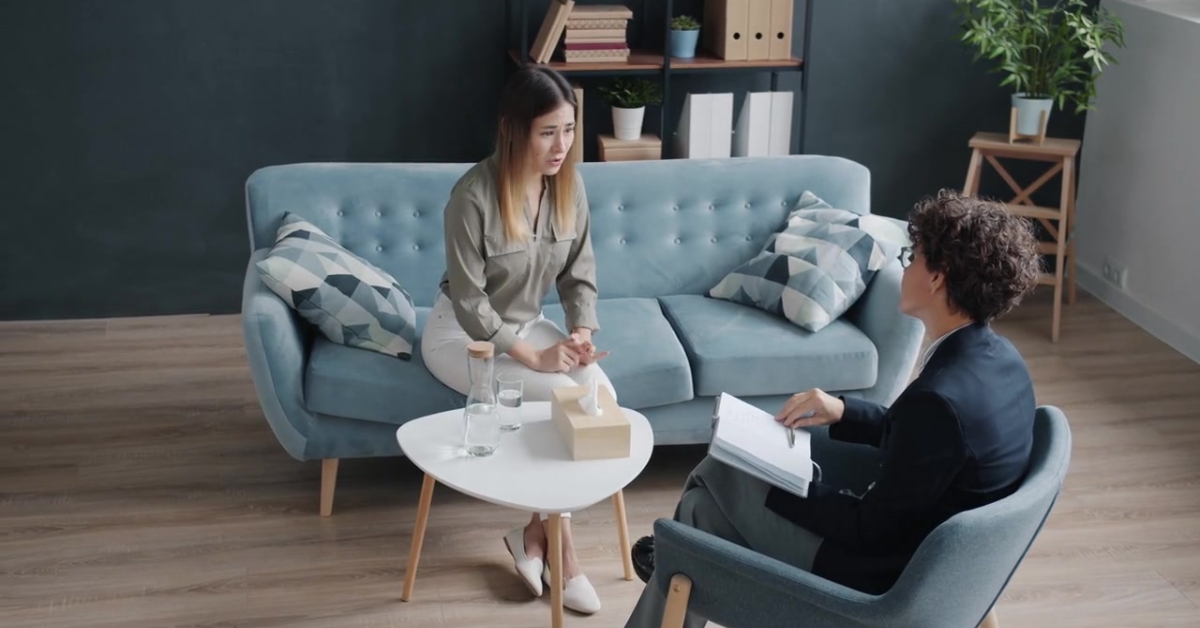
x: 1139, y: 185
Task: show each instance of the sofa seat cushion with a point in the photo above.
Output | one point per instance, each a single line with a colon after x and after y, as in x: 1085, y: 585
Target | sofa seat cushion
x: 647, y: 364
x: 742, y: 350
x: 354, y: 383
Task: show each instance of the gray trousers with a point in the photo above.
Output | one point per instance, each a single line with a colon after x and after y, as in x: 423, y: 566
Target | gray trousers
x: 730, y: 504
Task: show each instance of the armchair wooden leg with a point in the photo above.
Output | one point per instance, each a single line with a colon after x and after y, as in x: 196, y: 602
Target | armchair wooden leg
x: 329, y: 468
x: 677, y: 601
x: 990, y: 621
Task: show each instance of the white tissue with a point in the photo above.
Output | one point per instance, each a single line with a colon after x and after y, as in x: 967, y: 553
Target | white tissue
x: 590, y: 402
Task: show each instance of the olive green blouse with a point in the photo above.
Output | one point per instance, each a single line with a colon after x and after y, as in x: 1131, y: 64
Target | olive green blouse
x: 496, y: 284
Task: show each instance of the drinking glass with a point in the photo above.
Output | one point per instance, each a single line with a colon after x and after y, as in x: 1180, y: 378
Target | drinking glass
x: 510, y: 389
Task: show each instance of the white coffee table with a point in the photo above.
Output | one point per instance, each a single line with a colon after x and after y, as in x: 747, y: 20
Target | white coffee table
x: 531, y: 471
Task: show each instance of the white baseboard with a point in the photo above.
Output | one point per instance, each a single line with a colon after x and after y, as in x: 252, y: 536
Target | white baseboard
x: 1154, y: 323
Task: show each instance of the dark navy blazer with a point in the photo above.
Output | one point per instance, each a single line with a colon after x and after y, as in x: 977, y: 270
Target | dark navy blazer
x: 957, y: 438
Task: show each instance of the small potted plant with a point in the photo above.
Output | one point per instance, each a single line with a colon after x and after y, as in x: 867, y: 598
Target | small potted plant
x: 1051, y: 53
x: 628, y: 97
x: 685, y: 34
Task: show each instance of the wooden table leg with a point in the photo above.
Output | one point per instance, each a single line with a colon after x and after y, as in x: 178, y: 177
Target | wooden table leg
x: 556, y: 575
x: 623, y: 534
x: 414, y: 550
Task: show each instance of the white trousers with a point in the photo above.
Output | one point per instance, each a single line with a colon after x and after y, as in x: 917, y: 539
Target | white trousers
x: 444, y: 350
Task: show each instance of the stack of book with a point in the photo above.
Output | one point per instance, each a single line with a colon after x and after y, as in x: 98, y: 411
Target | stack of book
x: 597, y: 34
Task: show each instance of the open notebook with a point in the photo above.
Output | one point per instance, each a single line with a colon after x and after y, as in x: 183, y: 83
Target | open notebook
x: 749, y: 439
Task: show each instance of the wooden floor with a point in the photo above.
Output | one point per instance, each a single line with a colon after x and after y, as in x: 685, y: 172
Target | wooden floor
x: 140, y: 486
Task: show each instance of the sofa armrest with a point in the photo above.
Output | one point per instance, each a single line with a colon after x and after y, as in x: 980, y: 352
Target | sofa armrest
x: 277, y: 345
x: 897, y: 337
x: 738, y: 587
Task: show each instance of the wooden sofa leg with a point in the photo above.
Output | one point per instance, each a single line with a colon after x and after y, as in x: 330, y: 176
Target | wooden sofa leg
x: 329, y: 468
x: 677, y: 601
x: 990, y: 621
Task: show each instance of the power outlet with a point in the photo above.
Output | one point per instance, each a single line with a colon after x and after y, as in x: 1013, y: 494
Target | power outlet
x: 1114, y: 272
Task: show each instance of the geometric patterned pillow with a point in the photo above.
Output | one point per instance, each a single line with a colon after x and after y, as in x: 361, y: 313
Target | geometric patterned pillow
x: 891, y: 232
x: 812, y: 271
x: 351, y: 301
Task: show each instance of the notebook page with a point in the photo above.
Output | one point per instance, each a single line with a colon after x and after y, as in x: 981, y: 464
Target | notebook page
x: 754, y: 432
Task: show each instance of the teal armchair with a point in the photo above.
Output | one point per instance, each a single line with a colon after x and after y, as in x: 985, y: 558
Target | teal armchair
x: 953, y: 581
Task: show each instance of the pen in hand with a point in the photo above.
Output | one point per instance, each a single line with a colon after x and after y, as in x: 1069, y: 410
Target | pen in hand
x: 791, y: 431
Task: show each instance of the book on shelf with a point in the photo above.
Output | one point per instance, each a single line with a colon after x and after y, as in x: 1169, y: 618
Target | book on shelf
x: 601, y: 27
x: 588, y: 35
x: 596, y: 56
x: 551, y: 30
x: 601, y: 12
x: 752, y: 441
x: 592, y: 24
x: 609, y: 45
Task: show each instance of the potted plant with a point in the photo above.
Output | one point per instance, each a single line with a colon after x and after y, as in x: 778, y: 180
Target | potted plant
x: 1051, y: 53
x: 628, y: 97
x: 685, y: 34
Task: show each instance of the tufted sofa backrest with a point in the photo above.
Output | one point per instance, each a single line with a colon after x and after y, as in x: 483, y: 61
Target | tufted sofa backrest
x: 658, y: 227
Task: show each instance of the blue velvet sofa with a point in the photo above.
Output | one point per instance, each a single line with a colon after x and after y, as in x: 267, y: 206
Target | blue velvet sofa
x: 664, y: 232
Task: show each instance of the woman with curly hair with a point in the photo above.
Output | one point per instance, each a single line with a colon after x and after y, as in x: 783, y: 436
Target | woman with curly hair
x: 957, y: 438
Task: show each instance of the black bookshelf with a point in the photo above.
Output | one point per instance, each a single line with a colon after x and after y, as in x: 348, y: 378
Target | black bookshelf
x: 647, y: 62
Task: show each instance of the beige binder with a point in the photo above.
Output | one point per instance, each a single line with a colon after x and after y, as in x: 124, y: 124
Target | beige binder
x: 758, y: 30
x: 724, y: 29
x: 781, y: 29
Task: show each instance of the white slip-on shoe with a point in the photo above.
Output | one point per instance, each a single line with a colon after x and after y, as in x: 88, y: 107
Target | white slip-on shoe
x: 528, y: 568
x: 578, y: 593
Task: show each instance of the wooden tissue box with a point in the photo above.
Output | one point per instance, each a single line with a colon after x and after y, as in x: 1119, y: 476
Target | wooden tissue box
x: 590, y: 437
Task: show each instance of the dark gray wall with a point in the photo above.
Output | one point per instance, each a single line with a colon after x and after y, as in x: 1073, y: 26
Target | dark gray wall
x: 891, y: 86
x: 130, y: 126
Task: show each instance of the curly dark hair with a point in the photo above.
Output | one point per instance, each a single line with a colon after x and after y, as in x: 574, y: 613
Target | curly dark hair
x: 988, y: 256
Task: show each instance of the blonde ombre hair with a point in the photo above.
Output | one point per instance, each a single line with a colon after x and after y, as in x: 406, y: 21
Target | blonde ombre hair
x: 530, y: 94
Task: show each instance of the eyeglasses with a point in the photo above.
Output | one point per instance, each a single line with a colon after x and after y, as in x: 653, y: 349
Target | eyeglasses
x: 906, y: 256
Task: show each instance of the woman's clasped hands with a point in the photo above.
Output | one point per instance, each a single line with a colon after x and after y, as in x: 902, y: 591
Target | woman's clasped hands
x: 570, y: 352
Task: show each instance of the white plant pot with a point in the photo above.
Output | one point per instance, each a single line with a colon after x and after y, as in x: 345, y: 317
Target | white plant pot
x: 627, y: 123
x: 1029, y: 112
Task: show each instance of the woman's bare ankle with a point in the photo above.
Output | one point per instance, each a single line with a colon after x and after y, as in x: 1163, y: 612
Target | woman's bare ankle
x: 535, y: 539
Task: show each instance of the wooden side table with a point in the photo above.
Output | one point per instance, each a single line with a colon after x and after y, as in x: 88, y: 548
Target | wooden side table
x: 1058, y: 221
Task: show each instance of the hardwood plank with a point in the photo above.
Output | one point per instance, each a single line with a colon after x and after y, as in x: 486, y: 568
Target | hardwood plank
x: 141, y: 486
x: 1117, y: 599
